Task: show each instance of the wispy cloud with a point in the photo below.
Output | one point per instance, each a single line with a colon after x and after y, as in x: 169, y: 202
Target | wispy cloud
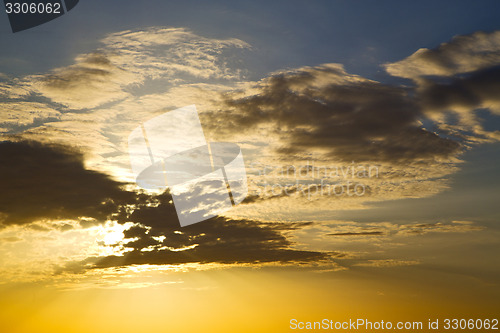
x: 127, y: 59
x: 387, y: 263
x: 93, y: 81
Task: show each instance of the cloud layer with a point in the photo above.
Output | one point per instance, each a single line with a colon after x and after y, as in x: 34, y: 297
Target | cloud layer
x: 342, y: 117
x: 64, y: 156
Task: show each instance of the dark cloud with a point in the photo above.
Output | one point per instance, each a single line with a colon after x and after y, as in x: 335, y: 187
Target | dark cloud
x: 158, y: 239
x: 458, y: 78
x: 50, y: 182
x: 317, y: 110
x: 221, y: 241
x: 472, y: 90
x: 325, y: 111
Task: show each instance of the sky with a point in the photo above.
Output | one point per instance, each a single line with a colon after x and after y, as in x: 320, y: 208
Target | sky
x: 370, y: 135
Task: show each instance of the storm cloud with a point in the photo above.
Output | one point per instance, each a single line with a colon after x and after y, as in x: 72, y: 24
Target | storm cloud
x: 325, y: 110
x: 50, y: 182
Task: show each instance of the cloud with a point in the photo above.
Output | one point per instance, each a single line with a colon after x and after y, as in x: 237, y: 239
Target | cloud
x: 462, y: 96
x: 12, y: 239
x: 364, y: 233
x: 380, y: 233
x: 50, y: 182
x: 18, y: 115
x: 462, y: 54
x: 324, y: 117
x: 129, y: 60
x: 156, y: 238
x: 326, y: 111
x: 387, y: 263
x: 35, y: 250
x: 144, y: 230
x: 320, y: 114
x: 456, y: 79
x: 106, y: 93
x: 93, y: 81
x: 454, y: 226
x: 174, y: 53
x: 47, y: 188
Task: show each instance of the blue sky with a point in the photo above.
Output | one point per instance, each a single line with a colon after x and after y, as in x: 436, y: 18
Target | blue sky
x: 284, y: 34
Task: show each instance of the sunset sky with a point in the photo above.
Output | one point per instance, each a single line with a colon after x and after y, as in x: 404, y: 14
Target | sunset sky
x: 387, y: 113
